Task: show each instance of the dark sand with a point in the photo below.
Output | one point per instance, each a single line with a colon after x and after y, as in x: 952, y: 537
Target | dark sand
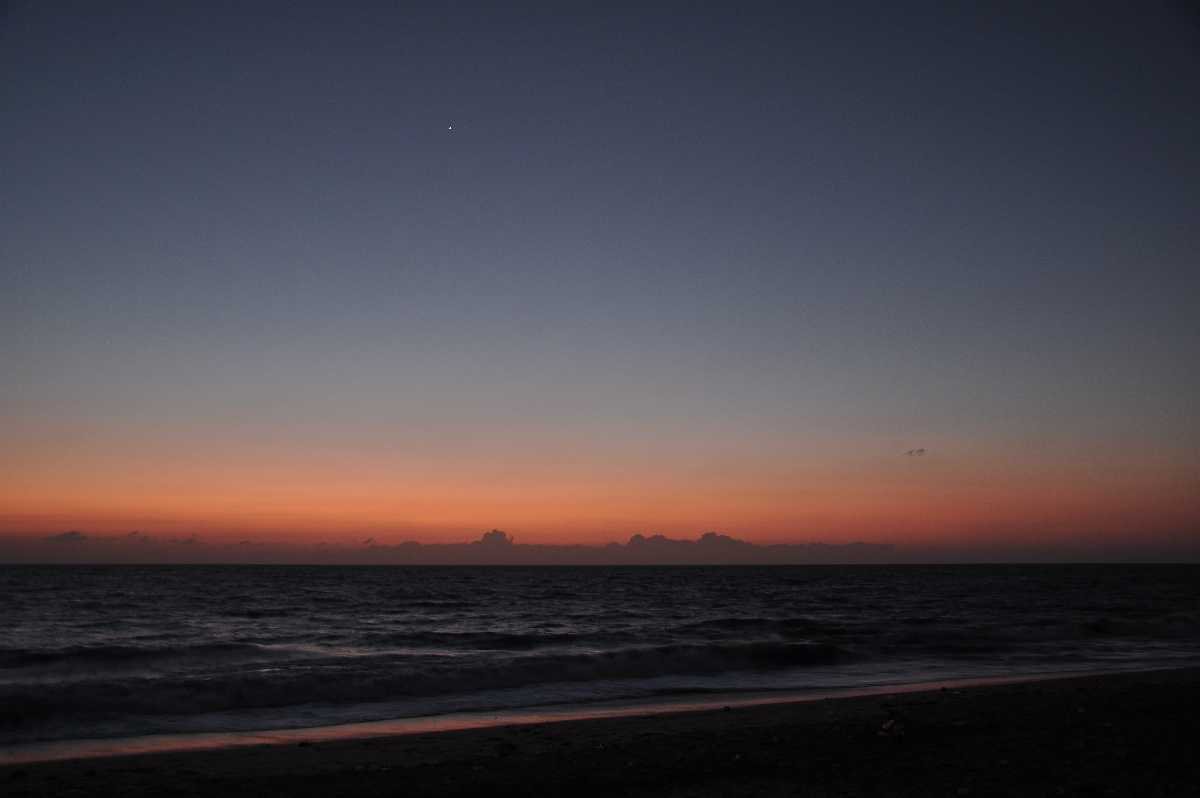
x: 1134, y: 734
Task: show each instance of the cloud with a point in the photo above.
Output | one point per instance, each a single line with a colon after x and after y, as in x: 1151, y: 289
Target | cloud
x: 915, y: 453
x: 67, y: 537
x: 495, y: 537
x: 494, y: 547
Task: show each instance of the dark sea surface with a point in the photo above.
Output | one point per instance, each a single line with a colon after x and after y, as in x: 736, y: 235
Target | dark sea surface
x: 129, y: 650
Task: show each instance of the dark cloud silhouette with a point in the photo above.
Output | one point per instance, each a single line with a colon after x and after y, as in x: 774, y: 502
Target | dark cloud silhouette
x: 915, y: 453
x: 67, y: 537
x: 496, y: 538
x: 494, y: 547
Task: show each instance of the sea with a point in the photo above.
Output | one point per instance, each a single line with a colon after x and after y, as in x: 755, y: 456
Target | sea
x: 121, y: 651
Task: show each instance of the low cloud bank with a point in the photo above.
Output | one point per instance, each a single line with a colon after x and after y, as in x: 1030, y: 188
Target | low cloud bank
x: 494, y: 547
x: 497, y: 547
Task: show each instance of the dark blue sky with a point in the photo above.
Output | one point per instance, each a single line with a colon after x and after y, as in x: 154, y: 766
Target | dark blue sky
x: 790, y: 237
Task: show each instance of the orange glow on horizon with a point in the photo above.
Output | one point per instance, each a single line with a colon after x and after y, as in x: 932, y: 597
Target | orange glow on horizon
x: 562, y: 486
x: 542, y: 501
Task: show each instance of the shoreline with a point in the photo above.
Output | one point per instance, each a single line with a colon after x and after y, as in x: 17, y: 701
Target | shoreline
x: 1119, y: 733
x: 104, y: 747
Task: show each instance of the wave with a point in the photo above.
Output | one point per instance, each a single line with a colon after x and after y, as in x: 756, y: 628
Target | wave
x: 491, y: 641
x: 108, y: 657
x: 196, y: 646
x: 788, y: 628
x: 1175, y: 625
x: 736, y: 630
x: 385, y: 678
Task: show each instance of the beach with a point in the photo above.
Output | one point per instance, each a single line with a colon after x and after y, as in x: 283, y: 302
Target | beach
x: 1113, y: 734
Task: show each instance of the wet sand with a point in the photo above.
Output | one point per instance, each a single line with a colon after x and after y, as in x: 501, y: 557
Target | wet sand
x: 1121, y: 734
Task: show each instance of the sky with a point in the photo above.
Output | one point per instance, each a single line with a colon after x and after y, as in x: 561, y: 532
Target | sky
x: 316, y: 271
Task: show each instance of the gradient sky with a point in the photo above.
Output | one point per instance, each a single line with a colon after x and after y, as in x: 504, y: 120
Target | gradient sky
x: 670, y: 271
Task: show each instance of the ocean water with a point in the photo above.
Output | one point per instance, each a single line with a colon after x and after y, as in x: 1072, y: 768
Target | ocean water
x: 114, y: 651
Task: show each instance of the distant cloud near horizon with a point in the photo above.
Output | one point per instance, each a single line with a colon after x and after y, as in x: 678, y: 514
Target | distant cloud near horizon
x: 496, y: 537
x: 915, y: 453
x: 69, y: 537
x: 497, y: 547
x: 494, y: 547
